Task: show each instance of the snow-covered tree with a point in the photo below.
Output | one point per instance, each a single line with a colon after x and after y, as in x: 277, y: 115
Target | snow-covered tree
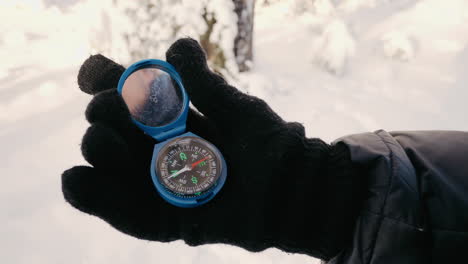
x: 148, y: 27
x: 317, y: 7
x: 243, y: 49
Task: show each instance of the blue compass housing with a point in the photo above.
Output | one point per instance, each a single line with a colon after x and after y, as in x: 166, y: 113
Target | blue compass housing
x: 175, y: 129
x: 182, y: 201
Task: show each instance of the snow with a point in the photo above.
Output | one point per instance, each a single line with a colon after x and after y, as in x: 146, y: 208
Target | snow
x: 388, y: 64
x: 338, y: 67
x: 334, y: 47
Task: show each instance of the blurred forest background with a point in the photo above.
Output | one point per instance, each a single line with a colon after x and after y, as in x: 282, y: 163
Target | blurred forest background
x: 223, y: 27
x: 133, y: 30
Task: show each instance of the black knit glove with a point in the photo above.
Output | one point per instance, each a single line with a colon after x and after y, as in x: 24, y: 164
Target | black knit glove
x: 272, y: 183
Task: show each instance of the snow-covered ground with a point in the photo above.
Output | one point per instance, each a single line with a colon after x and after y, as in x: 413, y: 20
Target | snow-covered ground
x: 396, y: 65
x: 341, y: 67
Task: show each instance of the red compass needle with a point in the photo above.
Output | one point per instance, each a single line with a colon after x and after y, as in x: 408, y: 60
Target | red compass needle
x: 198, y: 162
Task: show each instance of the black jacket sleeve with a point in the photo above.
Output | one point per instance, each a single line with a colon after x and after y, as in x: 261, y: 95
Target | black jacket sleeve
x: 415, y: 203
x: 440, y: 159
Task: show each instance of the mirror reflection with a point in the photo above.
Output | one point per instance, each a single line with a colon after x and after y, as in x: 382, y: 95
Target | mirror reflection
x: 153, y: 97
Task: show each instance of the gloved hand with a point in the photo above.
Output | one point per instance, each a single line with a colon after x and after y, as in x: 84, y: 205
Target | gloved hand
x: 274, y: 180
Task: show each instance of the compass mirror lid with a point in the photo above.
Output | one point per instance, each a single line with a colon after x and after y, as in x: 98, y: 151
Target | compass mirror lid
x: 155, y: 97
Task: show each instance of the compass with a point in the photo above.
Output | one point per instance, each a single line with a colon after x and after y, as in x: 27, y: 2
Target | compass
x: 186, y: 170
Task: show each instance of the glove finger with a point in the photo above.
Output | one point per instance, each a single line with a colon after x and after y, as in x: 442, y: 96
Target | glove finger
x: 119, y: 176
x: 98, y: 74
x: 131, y: 208
x: 225, y: 105
x: 109, y: 108
x: 83, y: 189
x: 86, y: 189
x: 104, y: 148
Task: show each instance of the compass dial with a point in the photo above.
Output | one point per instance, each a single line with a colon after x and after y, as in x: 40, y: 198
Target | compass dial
x: 188, y: 166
